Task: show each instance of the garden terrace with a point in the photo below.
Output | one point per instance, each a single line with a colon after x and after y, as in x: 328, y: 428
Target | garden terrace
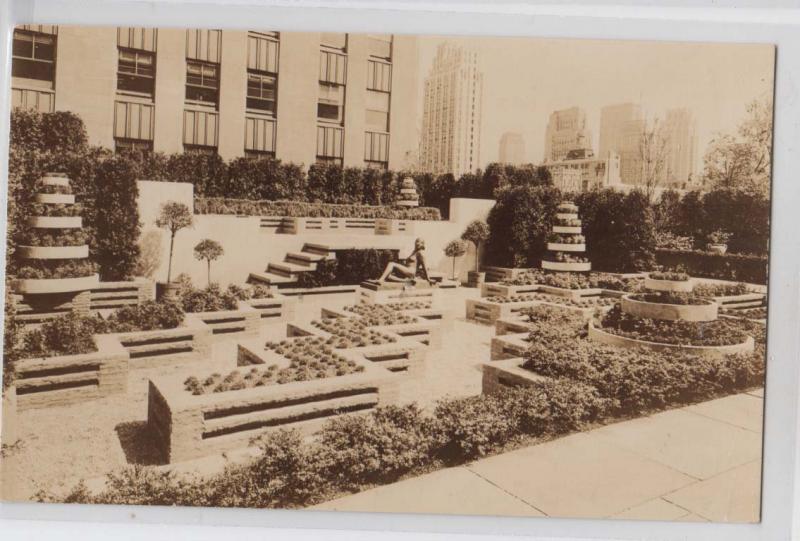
x: 755, y: 314
x: 490, y: 309
x: 413, y: 320
x: 300, y: 393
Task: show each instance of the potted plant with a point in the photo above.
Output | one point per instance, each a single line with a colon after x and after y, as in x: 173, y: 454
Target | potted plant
x: 718, y: 242
x: 210, y: 250
x: 455, y: 248
x: 477, y: 232
x: 173, y: 217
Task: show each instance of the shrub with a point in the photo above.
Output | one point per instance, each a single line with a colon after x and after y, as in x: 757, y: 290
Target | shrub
x: 147, y: 316
x: 619, y: 229
x: 173, y: 217
x: 12, y: 338
x: 736, y: 267
x: 210, y: 299
x: 519, y: 224
x: 207, y: 172
x: 64, y: 335
x: 670, y: 276
x: 350, y: 267
x: 477, y: 232
x: 264, y: 178
x: 721, y: 290
x: 208, y: 250
x: 56, y: 269
x: 300, y: 209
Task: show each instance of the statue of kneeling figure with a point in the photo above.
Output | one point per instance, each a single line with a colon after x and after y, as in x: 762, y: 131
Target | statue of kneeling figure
x: 408, y: 269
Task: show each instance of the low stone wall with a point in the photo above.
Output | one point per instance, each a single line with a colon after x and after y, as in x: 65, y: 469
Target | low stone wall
x: 68, y: 379
x: 368, y: 295
x: 679, y: 286
x: 188, y: 426
x: 501, y: 375
x: 508, y: 346
x: 604, y: 337
x: 243, y: 322
x: 672, y: 312
x: 278, y: 308
x: 503, y: 274
x: 110, y: 295
x: 495, y: 289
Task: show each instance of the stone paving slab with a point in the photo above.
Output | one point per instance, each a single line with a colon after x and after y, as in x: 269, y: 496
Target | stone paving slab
x: 732, y: 496
x: 687, y: 442
x: 455, y: 491
x: 741, y: 410
x: 758, y: 392
x: 657, y: 509
x: 582, y: 475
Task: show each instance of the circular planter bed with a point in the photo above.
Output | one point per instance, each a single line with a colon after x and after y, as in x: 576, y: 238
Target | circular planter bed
x: 54, y: 252
x: 567, y: 229
x: 679, y: 286
x: 655, y: 310
x: 572, y: 266
x: 560, y: 247
x: 604, y: 337
x: 55, y: 198
x: 567, y: 215
x: 55, y: 222
x: 56, y: 285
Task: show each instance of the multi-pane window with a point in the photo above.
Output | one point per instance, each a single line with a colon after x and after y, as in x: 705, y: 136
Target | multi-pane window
x: 136, y: 72
x: 262, y: 72
x: 200, y: 131
x: 376, y: 150
x: 259, y: 137
x: 261, y: 92
x: 34, y: 55
x: 202, y: 82
x: 133, y: 146
x: 377, y: 115
x: 133, y: 122
x: 379, y: 76
x: 36, y: 100
x: 330, y: 144
x: 330, y: 107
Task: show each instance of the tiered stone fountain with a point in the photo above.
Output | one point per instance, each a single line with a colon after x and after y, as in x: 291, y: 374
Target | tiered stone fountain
x: 700, y: 311
x: 567, y: 224
x: 408, y: 194
x: 58, y: 293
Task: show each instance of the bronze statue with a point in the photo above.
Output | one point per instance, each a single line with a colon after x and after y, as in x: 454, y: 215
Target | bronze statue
x: 409, y: 268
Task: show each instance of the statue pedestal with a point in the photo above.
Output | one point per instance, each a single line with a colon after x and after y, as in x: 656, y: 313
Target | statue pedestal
x: 374, y: 292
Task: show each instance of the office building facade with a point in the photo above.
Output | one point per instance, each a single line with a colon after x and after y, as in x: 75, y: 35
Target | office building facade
x: 512, y: 149
x: 566, y: 131
x: 451, y: 121
x: 581, y: 170
x: 299, y: 97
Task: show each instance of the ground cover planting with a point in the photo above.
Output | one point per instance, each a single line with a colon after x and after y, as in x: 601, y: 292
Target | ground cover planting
x: 572, y: 280
x: 748, y: 313
x: 586, y: 302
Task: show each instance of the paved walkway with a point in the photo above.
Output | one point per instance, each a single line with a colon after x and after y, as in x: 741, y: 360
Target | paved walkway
x: 698, y: 463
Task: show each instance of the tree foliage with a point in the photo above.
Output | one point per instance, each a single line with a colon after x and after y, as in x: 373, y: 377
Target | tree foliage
x: 208, y: 250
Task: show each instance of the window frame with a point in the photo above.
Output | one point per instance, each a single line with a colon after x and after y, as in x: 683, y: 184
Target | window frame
x: 342, y: 89
x: 32, y: 63
x: 203, y: 64
x: 120, y: 74
x: 262, y: 75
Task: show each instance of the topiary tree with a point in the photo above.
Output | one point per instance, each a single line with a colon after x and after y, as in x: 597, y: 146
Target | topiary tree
x: 210, y: 250
x: 174, y: 216
x: 455, y: 248
x: 477, y: 232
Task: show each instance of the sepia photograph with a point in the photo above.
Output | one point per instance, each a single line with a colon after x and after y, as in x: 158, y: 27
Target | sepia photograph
x: 396, y: 273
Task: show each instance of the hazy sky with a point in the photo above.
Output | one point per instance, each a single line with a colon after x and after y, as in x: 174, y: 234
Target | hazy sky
x: 526, y: 79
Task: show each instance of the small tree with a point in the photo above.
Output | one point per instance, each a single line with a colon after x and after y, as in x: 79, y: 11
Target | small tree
x: 210, y: 250
x: 174, y: 217
x: 477, y: 232
x: 455, y: 248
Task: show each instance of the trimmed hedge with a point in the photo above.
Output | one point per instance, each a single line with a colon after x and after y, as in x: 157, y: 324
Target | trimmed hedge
x: 302, y: 209
x: 734, y: 267
x: 350, y: 267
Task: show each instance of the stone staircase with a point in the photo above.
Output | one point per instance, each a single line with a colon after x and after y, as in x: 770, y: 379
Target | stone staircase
x: 284, y: 274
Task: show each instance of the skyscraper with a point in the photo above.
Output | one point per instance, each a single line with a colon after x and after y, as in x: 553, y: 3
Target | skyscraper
x: 681, y: 146
x: 451, y: 120
x: 512, y: 148
x: 566, y: 131
x: 621, y: 128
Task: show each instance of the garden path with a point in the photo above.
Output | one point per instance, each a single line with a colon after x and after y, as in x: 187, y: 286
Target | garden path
x: 696, y: 463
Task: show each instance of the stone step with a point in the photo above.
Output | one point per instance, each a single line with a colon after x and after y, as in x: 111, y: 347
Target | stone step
x: 269, y: 278
x: 287, y: 269
x: 317, y: 249
x: 304, y: 259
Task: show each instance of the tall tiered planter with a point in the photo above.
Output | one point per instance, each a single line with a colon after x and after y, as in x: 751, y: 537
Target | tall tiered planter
x: 63, y: 293
x: 568, y: 225
x: 408, y: 194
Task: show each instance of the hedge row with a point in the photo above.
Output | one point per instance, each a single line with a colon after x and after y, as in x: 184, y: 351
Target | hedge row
x: 299, y: 209
x: 735, y: 267
x: 588, y: 384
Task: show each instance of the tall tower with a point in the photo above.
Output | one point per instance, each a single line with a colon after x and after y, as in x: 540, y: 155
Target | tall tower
x: 566, y: 131
x: 621, y: 129
x: 512, y: 148
x: 451, y: 119
x: 681, y: 146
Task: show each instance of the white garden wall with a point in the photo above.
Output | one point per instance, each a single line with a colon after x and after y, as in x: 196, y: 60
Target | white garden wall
x: 249, y: 248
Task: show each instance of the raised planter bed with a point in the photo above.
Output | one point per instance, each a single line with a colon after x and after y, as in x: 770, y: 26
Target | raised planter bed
x: 567, y: 215
x: 604, y: 337
x: 55, y: 198
x: 655, y: 310
x: 567, y: 229
x: 54, y: 252
x: 509, y: 346
x: 55, y: 285
x: 186, y: 344
x: 277, y: 308
x: 504, y: 274
x: 567, y: 266
x: 501, y: 375
x: 244, y: 321
x: 427, y: 327
x: 67, y: 379
x: 370, y: 294
x: 678, y: 286
x: 55, y: 222
x: 112, y: 295
x: 187, y: 426
x: 55, y: 179
x: 500, y: 290
x: 563, y: 247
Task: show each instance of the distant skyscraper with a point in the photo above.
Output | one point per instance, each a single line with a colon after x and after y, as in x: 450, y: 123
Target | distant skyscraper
x: 681, y: 146
x: 566, y: 131
x: 451, y: 119
x: 621, y: 128
x: 512, y: 148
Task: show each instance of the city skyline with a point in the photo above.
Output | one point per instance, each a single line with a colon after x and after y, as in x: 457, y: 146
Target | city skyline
x: 715, y: 81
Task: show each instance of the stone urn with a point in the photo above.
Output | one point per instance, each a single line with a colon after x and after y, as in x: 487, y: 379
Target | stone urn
x: 167, y: 291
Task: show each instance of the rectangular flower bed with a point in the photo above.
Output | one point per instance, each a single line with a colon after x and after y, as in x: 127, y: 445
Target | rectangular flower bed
x: 508, y: 373
x: 509, y: 345
x: 504, y: 274
x: 185, y: 344
x: 188, y: 425
x: 386, y: 293
x: 67, y: 379
x: 426, y: 327
x: 244, y: 321
x: 496, y: 289
x: 273, y: 309
x: 110, y: 295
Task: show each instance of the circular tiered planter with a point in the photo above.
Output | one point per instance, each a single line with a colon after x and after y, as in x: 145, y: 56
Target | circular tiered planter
x: 40, y: 257
x: 566, y: 248
x: 695, y: 310
x: 408, y: 194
